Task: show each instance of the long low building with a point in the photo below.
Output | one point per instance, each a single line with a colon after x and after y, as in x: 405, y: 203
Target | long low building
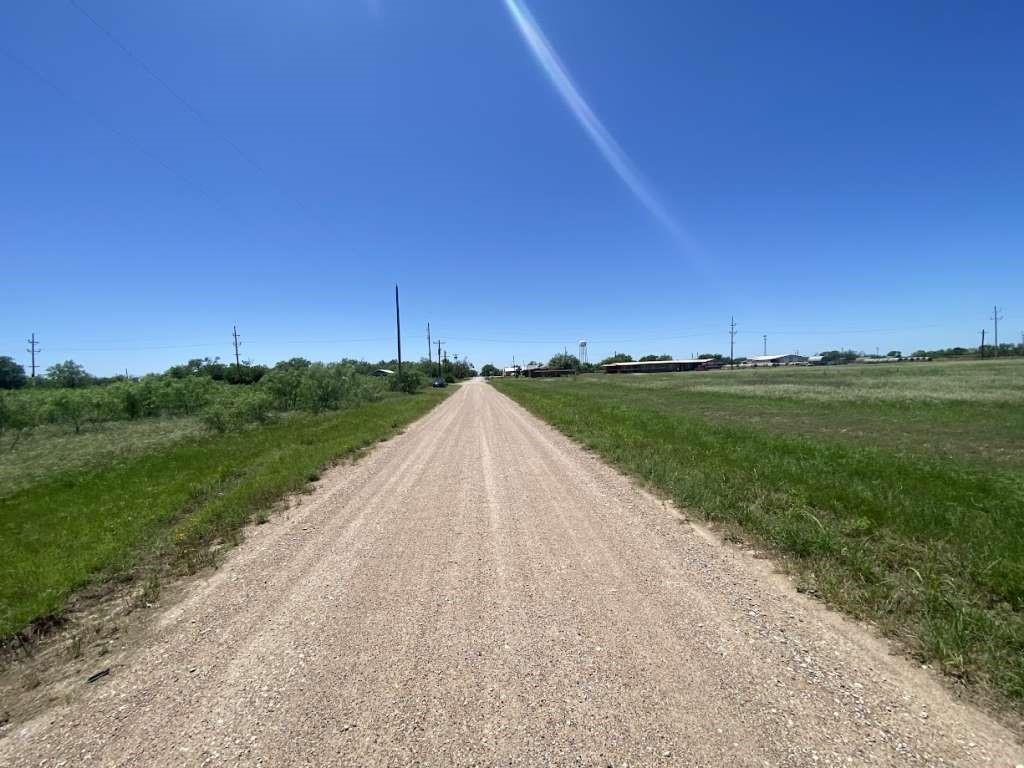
x: 545, y: 372
x: 663, y: 366
x: 770, y: 360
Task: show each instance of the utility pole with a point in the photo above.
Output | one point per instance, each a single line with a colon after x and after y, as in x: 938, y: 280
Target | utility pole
x: 33, y: 349
x: 996, y: 317
x: 981, y: 349
x: 765, y: 337
x: 430, y: 349
x: 441, y: 367
x: 732, y: 341
x: 238, y: 360
x: 398, y: 326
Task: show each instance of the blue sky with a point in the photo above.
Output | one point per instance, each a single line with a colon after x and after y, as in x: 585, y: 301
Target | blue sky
x: 833, y: 175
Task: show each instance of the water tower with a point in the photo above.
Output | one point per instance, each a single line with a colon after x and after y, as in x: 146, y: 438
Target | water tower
x: 583, y: 351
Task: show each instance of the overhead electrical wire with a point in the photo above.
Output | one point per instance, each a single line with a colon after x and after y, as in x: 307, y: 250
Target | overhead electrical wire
x: 206, y: 122
x: 703, y: 334
x: 110, y: 127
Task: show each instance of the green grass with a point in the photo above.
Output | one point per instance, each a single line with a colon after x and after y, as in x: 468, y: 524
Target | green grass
x: 106, y: 515
x: 54, y: 449
x: 895, y: 494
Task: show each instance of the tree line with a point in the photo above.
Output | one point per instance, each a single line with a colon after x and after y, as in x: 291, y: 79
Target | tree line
x: 224, y: 399
x: 72, y: 375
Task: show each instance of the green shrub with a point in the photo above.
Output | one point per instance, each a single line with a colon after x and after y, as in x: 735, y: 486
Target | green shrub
x: 282, y: 386
x: 223, y: 406
x: 250, y: 408
x: 320, y: 390
x: 132, y: 402
x: 409, y: 381
x: 217, y: 418
x: 70, y: 409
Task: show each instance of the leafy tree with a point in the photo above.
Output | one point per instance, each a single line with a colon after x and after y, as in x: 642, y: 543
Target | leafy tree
x: 68, y: 375
x: 321, y: 389
x: 409, y: 380
x: 293, y: 364
x: 835, y: 356
x: 17, y: 418
x: 283, y: 386
x: 894, y: 353
x: 198, y: 366
x: 246, y: 373
x: 618, y: 357
x: 564, y: 360
x: 654, y: 358
x: 12, y: 375
x: 490, y: 370
x: 69, y: 409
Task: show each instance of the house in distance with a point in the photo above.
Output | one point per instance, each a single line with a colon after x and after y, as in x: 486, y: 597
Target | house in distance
x: 663, y: 366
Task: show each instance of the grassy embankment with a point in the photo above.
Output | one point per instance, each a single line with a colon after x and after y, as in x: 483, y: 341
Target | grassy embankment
x: 895, y: 493
x: 75, y: 509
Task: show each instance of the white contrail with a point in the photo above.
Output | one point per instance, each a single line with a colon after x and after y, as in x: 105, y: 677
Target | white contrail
x: 605, y: 142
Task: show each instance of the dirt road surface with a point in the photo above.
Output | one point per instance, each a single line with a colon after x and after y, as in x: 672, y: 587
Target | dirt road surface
x: 480, y: 591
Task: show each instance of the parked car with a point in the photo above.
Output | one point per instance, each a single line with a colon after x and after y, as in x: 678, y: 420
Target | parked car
x: 439, y: 382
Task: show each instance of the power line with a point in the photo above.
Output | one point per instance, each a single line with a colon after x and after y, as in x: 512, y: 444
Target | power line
x: 211, y: 344
x: 127, y: 138
x: 208, y: 124
x: 183, y: 178
x: 669, y: 337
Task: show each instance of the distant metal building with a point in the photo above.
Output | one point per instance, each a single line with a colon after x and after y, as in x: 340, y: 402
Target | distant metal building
x: 545, y: 372
x: 663, y: 366
x: 764, y: 361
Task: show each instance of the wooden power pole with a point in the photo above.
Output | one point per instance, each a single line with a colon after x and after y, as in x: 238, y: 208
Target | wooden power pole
x: 238, y: 343
x: 33, y: 349
x: 732, y: 342
x: 398, y: 326
x: 996, y: 317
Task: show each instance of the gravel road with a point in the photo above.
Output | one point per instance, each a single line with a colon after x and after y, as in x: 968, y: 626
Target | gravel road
x: 481, y: 591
